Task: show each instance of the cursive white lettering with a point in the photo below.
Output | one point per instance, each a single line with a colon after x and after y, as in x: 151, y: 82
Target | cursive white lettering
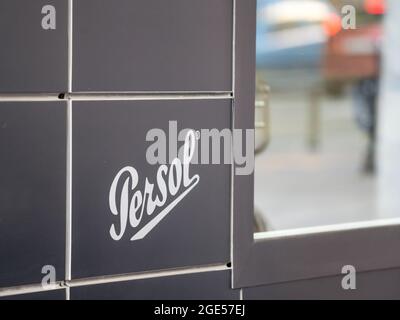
x: 170, y: 180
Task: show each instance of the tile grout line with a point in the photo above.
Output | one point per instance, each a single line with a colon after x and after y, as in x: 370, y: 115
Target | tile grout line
x: 26, y: 289
x: 29, y: 97
x: 233, y: 47
x: 66, y: 285
x: 150, y: 96
x: 116, y: 96
x: 67, y: 293
x: 146, y: 275
x: 68, y: 233
x: 232, y: 142
x: 70, y: 43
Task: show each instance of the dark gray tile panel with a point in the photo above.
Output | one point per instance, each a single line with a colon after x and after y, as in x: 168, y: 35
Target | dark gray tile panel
x: 32, y: 190
x: 32, y: 59
x: 108, y: 136
x: 152, y: 45
x: 199, y: 286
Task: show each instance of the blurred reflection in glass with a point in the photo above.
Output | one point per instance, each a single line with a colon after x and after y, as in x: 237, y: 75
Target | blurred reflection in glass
x: 319, y: 165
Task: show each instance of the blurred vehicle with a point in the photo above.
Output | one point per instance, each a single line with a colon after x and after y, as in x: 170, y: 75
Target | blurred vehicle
x: 291, y: 36
x: 354, y: 54
x: 301, y: 43
x: 301, y: 46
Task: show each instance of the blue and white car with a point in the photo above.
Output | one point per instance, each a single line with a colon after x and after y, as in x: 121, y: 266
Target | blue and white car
x: 291, y: 36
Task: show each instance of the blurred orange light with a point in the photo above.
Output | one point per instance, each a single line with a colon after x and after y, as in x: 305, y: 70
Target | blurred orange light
x: 332, y: 24
x: 375, y: 7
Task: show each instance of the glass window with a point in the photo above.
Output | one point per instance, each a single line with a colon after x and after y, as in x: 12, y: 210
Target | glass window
x: 317, y: 94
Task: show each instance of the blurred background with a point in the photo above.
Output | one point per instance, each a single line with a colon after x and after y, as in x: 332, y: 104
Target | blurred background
x: 319, y: 158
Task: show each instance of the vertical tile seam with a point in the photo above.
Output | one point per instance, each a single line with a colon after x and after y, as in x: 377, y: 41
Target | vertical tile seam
x: 232, y: 142
x: 68, y: 234
x: 70, y: 43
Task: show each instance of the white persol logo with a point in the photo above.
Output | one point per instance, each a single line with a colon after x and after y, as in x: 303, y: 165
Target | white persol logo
x: 133, y: 208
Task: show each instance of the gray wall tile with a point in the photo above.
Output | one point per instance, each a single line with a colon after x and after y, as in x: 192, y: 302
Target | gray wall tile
x: 32, y: 190
x: 145, y: 45
x: 32, y: 59
x: 200, y: 286
x: 107, y: 136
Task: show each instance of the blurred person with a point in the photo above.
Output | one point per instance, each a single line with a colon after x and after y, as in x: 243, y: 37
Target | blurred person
x: 366, y: 99
x: 353, y: 58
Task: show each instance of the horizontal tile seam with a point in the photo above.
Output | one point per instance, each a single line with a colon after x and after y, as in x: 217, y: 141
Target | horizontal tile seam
x: 59, y: 285
x: 146, y: 275
x: 116, y: 96
x: 32, y: 288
